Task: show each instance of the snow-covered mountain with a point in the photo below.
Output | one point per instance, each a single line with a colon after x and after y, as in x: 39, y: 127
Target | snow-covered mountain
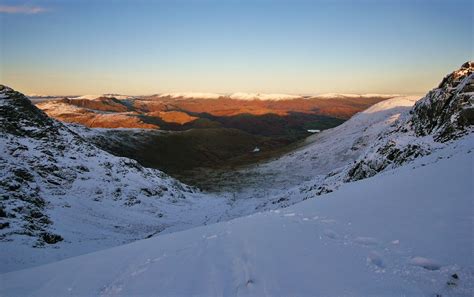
x: 397, y: 218
x: 191, y: 95
x: 115, y: 96
x: 346, y: 95
x: 262, y: 96
x: 58, y: 191
x: 207, y: 95
x: 235, y: 96
x: 406, y: 232
x: 267, y: 96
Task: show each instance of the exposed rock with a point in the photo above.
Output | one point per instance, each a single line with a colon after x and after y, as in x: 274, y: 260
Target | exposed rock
x: 444, y: 114
x: 51, y: 238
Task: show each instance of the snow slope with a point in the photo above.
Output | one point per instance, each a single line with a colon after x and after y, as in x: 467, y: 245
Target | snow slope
x: 405, y: 232
x: 59, y: 191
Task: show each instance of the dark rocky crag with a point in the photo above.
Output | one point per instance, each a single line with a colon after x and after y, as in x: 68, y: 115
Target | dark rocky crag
x: 21, y: 201
x: 447, y: 111
x: 444, y: 114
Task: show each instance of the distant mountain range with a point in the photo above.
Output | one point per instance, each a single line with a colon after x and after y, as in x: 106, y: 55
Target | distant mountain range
x: 236, y: 96
x: 262, y: 114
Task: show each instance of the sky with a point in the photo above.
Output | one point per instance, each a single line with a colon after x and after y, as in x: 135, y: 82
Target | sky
x: 297, y: 47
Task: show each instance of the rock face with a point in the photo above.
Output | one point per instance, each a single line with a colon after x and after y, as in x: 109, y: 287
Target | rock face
x: 46, y: 168
x: 444, y: 114
x: 447, y: 111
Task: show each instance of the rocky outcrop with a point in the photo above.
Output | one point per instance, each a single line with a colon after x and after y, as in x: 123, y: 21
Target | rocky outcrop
x: 447, y: 111
x: 389, y: 155
x: 444, y: 114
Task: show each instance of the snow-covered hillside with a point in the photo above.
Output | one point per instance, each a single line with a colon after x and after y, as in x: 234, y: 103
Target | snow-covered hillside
x: 61, y: 196
x: 407, y: 232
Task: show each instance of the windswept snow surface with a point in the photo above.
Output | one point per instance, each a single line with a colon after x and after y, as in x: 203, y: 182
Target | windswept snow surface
x: 404, y: 232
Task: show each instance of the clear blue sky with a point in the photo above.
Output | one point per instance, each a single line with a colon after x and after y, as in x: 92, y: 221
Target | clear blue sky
x: 142, y: 47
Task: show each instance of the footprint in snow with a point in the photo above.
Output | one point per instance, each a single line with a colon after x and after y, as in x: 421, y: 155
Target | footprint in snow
x: 425, y: 263
x: 376, y: 259
x: 366, y: 240
x: 328, y: 221
x: 330, y: 234
x: 138, y: 272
